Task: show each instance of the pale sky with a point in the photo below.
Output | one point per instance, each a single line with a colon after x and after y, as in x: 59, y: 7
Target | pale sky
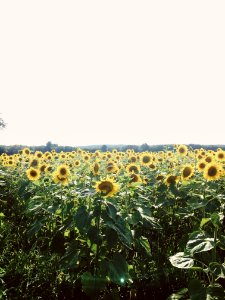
x: 112, y: 72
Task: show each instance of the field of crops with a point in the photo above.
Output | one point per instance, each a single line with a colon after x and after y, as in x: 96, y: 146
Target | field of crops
x: 112, y: 225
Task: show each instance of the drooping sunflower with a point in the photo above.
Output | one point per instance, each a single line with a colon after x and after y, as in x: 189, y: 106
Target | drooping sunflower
x: 134, y: 178
x: 111, y: 167
x: 187, y: 172
x: 42, y: 167
x: 182, y: 150
x: 33, y: 174
x: 95, y: 168
x: 34, y: 162
x: 63, y: 171
x: 57, y: 179
x: 107, y: 187
x: 212, y: 171
x: 171, y: 179
x: 133, y: 168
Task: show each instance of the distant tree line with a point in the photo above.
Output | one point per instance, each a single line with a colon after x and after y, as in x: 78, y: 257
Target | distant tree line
x: 92, y: 148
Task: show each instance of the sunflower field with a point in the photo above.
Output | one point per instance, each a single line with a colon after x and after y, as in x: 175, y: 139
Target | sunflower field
x: 113, y: 225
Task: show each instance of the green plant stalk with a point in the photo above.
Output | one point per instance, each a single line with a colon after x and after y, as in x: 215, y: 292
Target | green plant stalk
x: 98, y: 220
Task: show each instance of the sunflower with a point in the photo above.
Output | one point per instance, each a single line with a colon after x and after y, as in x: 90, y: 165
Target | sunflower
x: 171, y: 179
x: 77, y: 163
x: 209, y: 158
x: 212, y: 171
x: 111, y: 167
x: 38, y: 154
x: 187, y: 172
x: 133, y: 168
x: 58, y: 179
x: 201, y: 165
x: 42, y: 167
x: 220, y: 155
x: 34, y: 162
x: 182, y: 150
x: 26, y: 151
x: 134, y: 178
x: 33, y: 174
x: 107, y: 187
x: 146, y: 159
x: 95, y: 167
x: 63, y: 171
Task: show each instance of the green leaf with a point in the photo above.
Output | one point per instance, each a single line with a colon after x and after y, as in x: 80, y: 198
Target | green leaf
x: 216, y: 219
x: 82, y: 219
x: 181, y: 294
x: 180, y: 260
x: 92, y: 284
x: 199, y: 242
x: 215, y: 292
x: 145, y: 244
x: 221, y: 243
x: 118, y: 270
x: 149, y: 220
x: 217, y: 269
x: 196, y: 290
x: 111, y: 210
x: 204, y: 221
x: 123, y: 231
x: 35, y: 228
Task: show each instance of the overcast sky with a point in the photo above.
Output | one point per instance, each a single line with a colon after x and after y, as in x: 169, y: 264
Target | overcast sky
x: 115, y: 72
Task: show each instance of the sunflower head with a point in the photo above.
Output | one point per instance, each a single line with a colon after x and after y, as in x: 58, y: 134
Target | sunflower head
x: 26, y: 151
x: 95, y: 167
x: 171, y: 179
x: 107, y: 187
x: 182, y: 150
x: 146, y: 159
x: 33, y: 174
x: 187, y: 172
x: 133, y: 168
x: 61, y: 180
x: 212, y: 171
x: 220, y: 155
x: 134, y: 178
x: 63, y: 171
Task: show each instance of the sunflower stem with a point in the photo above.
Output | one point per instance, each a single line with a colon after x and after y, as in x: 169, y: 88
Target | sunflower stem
x: 98, y: 222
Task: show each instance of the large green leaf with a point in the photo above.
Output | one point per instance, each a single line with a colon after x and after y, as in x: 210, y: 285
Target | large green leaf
x: 199, y: 242
x: 180, y: 260
x: 215, y: 292
x: 196, y: 290
x: 92, y: 284
x: 118, y: 270
x: 143, y: 241
x: 122, y: 229
x: 149, y: 220
x: 82, y: 219
x: 217, y: 269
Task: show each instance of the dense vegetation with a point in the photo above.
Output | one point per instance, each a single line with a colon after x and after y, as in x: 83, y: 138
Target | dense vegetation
x: 112, y: 224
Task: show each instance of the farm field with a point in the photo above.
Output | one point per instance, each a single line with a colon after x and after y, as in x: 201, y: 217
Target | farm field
x: 112, y: 225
